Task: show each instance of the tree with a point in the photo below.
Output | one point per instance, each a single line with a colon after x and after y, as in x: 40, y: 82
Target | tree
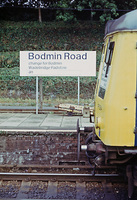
x: 107, y: 7
x: 65, y: 9
x: 126, y: 4
x: 38, y: 4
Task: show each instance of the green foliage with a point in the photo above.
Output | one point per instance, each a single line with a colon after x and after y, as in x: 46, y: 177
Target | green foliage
x: 18, y: 36
x: 109, y: 9
x: 22, y: 36
x: 64, y: 14
x: 66, y: 10
x: 127, y: 4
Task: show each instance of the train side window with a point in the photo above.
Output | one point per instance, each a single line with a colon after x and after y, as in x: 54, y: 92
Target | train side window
x: 108, y: 57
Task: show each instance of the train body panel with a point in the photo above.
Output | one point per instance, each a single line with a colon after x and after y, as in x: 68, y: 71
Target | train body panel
x: 115, y: 103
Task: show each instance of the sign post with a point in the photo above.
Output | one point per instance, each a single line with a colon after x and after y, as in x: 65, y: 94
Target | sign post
x: 37, y: 95
x: 78, y: 89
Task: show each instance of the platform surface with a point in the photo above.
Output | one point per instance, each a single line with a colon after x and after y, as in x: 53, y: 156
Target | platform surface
x: 31, y: 121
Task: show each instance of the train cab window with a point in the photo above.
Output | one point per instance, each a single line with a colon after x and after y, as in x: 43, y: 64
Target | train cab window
x: 101, y: 66
x: 108, y: 58
x: 106, y: 69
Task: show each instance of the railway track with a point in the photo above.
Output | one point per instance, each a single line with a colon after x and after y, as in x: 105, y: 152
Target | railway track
x: 58, y: 186
x: 56, y: 176
x: 47, y: 168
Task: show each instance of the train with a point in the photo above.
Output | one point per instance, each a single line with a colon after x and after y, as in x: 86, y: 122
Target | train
x: 113, y: 138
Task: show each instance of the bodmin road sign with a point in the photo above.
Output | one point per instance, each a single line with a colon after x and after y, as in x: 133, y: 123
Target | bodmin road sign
x: 57, y: 63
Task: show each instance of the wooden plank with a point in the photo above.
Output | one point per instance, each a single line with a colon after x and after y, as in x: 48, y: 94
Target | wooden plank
x: 81, y: 190
x: 108, y: 191
x: 52, y: 190
x: 74, y: 108
x: 24, y: 189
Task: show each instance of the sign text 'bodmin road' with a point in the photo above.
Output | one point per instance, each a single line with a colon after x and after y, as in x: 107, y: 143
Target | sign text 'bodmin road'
x: 57, y: 56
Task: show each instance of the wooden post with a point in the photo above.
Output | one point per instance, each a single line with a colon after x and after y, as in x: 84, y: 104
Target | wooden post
x: 40, y: 18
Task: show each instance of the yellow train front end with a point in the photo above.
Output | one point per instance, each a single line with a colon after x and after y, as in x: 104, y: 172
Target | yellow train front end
x: 113, y: 138
x: 115, y: 101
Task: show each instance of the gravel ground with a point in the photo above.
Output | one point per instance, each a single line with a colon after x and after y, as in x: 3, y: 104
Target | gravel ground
x: 9, y: 189
x: 94, y: 191
x: 120, y: 191
x: 65, y: 190
x: 38, y: 190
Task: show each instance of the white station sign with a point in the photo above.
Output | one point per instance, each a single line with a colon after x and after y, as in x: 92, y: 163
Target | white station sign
x: 57, y: 63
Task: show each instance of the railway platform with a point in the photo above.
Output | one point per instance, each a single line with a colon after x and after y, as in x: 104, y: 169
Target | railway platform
x: 31, y: 121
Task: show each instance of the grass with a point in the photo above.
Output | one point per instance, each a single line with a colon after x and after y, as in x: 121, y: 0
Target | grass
x: 46, y: 102
x: 47, y: 36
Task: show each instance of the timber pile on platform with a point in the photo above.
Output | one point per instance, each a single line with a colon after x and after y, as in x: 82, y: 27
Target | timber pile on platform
x: 71, y: 109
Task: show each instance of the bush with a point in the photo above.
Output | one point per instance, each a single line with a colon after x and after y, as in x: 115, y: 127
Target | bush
x: 21, y: 36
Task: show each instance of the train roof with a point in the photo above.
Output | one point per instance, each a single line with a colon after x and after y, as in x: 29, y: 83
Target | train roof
x: 125, y: 22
